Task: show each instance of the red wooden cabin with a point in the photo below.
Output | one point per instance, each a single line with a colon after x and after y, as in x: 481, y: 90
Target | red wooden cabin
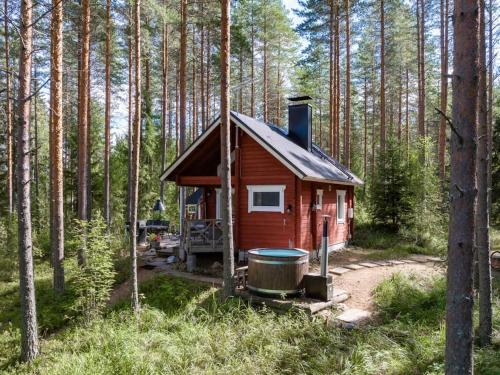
x: 282, y: 186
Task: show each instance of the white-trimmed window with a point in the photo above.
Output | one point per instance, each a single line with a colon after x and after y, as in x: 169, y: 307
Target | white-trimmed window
x: 340, y: 206
x: 218, y: 202
x: 319, y: 199
x: 266, y: 198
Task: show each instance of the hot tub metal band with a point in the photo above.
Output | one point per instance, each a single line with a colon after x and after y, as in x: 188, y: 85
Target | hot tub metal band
x: 300, y: 261
x: 273, y: 291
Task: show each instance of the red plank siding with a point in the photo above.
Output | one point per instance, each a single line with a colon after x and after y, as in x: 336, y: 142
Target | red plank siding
x: 264, y: 229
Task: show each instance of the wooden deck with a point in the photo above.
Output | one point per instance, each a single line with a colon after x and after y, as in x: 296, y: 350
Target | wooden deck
x: 202, y: 236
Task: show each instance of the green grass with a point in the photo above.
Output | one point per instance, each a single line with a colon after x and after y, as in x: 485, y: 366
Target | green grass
x: 184, y: 328
x: 386, y: 244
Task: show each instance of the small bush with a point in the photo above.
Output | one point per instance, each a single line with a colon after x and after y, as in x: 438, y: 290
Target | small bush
x: 93, y: 281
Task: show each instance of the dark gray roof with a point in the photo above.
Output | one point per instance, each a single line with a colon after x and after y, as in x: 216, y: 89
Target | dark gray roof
x: 313, y: 165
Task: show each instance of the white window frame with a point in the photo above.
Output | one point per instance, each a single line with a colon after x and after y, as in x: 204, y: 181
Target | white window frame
x: 319, y: 199
x: 218, y: 214
x: 266, y: 189
x: 341, y: 194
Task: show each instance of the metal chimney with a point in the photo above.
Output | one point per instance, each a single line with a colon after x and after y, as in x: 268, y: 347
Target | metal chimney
x: 300, y: 121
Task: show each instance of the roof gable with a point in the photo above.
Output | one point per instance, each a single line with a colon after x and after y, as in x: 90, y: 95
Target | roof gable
x: 314, y: 166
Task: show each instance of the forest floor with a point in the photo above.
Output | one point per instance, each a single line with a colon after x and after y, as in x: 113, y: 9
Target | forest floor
x: 185, y: 328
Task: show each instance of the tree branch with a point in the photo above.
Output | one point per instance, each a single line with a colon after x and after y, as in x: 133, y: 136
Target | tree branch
x: 453, y: 129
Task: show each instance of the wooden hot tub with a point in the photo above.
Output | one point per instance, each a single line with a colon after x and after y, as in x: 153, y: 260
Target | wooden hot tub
x: 277, y: 271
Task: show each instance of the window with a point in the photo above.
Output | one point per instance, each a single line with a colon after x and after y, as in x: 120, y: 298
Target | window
x: 319, y: 199
x: 218, y: 202
x: 340, y: 206
x: 266, y: 198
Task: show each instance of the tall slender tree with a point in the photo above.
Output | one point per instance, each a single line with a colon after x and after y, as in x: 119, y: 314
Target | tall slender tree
x: 56, y: 142
x: 134, y: 290
x: 8, y: 113
x: 347, y: 125
x: 482, y: 213
x: 382, y: 77
x: 165, y: 100
x: 225, y: 129
x: 459, y: 295
x: 332, y: 75
x: 421, y: 66
x: 107, y: 116
x: 29, y: 329
x: 444, y: 86
x: 83, y: 109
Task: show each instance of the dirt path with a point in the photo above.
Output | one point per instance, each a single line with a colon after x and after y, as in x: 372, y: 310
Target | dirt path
x: 360, y: 283
x: 123, y: 290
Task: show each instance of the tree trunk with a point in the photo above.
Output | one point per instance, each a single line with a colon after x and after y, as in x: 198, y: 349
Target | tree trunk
x: 400, y: 106
x: 382, y: 77
x: 225, y: 129
x: 209, y: 64
x: 331, y: 86
x: 56, y: 141
x: 337, y: 79
x: 483, y: 214
x: 421, y: 66
x: 194, y: 98
x: 407, y: 113
x: 490, y: 95
x: 182, y: 77
x: 365, y: 144
x: 240, y: 105
x: 444, y: 88
x: 83, y: 122
x: 36, y: 172
x: 265, y: 86
x: 107, y: 117
x: 460, y: 296
x: 8, y: 114
x: 164, y: 106
x: 347, y: 125
x: 134, y: 291
x: 130, y: 112
x: 252, y: 65
x: 202, y: 76
x: 29, y: 334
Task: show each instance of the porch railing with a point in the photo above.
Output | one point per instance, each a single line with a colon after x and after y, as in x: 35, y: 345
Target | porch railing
x: 203, y: 235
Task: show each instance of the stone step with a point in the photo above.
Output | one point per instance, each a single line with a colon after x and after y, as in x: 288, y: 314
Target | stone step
x: 339, y: 270
x: 351, y: 318
x: 382, y: 263
x: 353, y: 266
x: 369, y: 265
x: 396, y: 262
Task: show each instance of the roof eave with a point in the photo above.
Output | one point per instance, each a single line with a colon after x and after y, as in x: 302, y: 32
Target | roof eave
x: 331, y: 181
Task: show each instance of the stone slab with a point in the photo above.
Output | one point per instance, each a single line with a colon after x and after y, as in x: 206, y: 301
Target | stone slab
x: 354, y: 316
x: 382, y: 263
x: 353, y: 266
x: 396, y: 262
x: 339, y: 270
x: 435, y: 259
x: 419, y: 258
x: 369, y: 265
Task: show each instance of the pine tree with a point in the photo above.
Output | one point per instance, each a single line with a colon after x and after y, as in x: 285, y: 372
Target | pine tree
x: 56, y: 141
x: 225, y: 129
x: 29, y: 328
x: 459, y: 296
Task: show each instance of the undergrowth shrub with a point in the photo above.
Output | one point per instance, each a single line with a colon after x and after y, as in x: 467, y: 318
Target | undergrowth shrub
x: 93, y: 281
x: 8, y: 249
